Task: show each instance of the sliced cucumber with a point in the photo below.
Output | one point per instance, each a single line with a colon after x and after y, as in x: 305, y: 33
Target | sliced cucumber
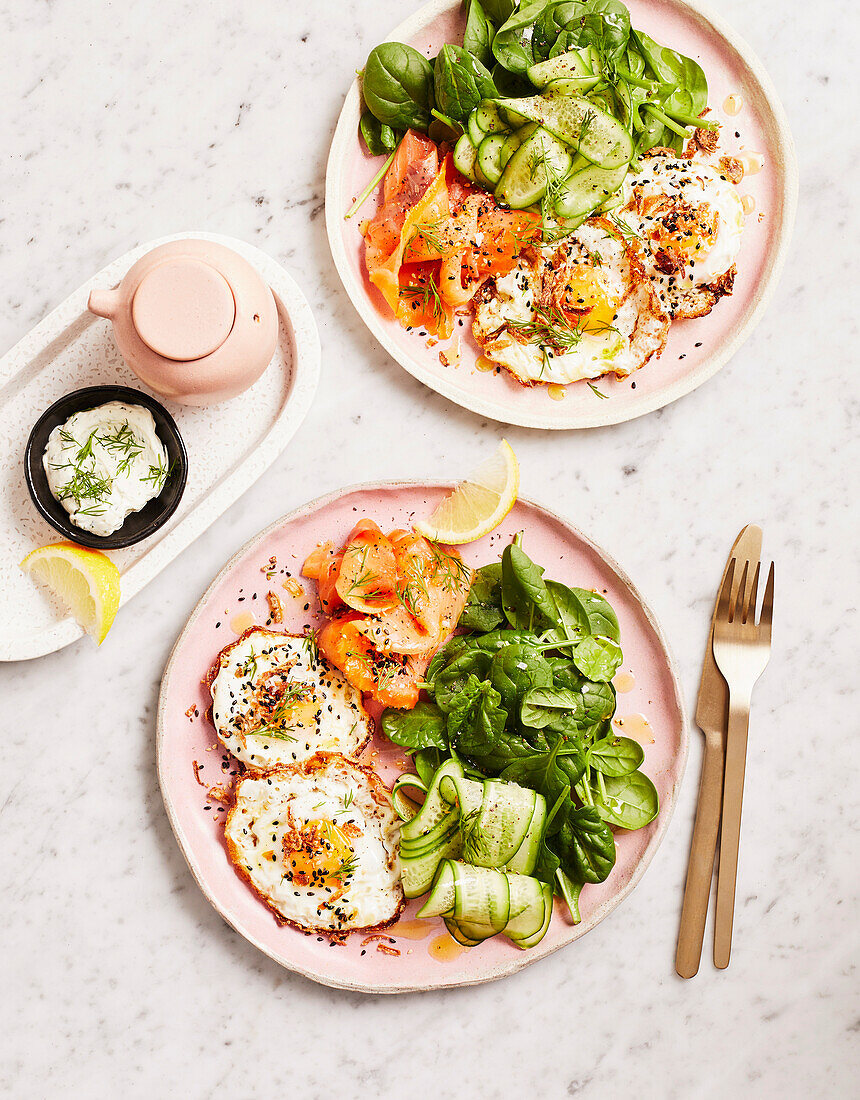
x: 531, y: 926
x: 524, y: 179
x: 442, y: 893
x: 513, y: 118
x: 490, y: 157
x: 505, y: 822
x: 576, y: 64
x: 435, y: 807
x: 580, y: 123
x: 465, y: 155
x: 485, y: 119
x: 488, y: 117
x: 524, y: 860
x: 612, y: 203
x: 458, y: 935
x: 572, y: 85
x: 479, y: 902
x: 484, y: 894
x: 476, y: 134
x: 514, y: 141
x: 583, y: 191
x: 430, y: 837
x: 416, y: 872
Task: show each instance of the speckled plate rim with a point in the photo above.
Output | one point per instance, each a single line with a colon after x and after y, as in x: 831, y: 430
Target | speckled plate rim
x: 603, y: 413
x: 536, y: 953
x: 298, y: 318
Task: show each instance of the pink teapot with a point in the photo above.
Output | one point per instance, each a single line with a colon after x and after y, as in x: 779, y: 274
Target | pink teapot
x: 193, y: 320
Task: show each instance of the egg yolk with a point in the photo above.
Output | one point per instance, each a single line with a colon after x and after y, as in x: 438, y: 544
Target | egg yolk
x: 318, y: 854
x: 585, y: 295
x: 688, y: 230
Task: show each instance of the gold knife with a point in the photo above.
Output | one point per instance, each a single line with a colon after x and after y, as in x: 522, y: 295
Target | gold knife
x: 711, y: 717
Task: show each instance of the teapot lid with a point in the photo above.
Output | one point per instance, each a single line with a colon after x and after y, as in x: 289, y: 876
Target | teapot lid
x: 183, y: 309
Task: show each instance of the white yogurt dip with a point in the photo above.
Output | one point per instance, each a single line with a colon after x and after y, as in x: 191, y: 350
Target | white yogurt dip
x: 105, y: 463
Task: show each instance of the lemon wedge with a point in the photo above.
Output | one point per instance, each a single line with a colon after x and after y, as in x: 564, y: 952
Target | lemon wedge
x: 84, y: 580
x: 478, y: 504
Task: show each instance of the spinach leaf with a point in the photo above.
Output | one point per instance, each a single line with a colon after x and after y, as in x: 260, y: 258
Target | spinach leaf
x: 511, y: 85
x: 585, y: 846
x: 601, y: 618
x: 571, y: 616
x: 615, y: 756
x: 628, y: 801
x: 423, y: 727
x: 606, y: 26
x: 478, y: 36
x: 515, y: 670
x: 526, y: 601
x: 427, y: 762
x: 460, y: 82
x: 379, y: 138
x: 443, y: 655
x: 548, y: 864
x: 542, y: 707
x: 483, y: 610
x: 540, y: 772
x: 470, y: 663
x: 565, y: 674
x: 597, y: 657
x: 494, y: 640
x: 499, y: 10
x: 476, y: 720
x: 398, y: 86
x: 598, y: 702
x: 512, y: 46
x: 551, y: 23
x: 570, y: 891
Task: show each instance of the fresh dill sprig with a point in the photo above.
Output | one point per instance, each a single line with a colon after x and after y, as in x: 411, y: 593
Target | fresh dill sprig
x: 424, y: 296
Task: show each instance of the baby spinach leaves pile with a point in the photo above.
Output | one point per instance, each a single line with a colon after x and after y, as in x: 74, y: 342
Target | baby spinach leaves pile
x: 655, y: 91
x: 403, y: 90
x: 526, y: 696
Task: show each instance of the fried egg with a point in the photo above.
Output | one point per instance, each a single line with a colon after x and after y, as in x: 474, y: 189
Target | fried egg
x: 688, y: 219
x: 275, y: 700
x: 578, y: 309
x: 318, y: 842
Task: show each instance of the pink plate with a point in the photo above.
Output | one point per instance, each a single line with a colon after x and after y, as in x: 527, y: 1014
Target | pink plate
x: 696, y: 349
x: 237, y: 598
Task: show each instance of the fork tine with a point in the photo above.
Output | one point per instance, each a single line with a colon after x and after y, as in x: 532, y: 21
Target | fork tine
x: 738, y: 609
x: 750, y: 601
x: 766, y: 620
x: 725, y: 593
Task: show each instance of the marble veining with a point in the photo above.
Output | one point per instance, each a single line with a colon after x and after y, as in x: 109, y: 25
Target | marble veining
x: 127, y: 122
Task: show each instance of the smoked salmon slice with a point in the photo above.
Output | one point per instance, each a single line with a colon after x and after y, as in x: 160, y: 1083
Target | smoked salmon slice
x: 392, y: 681
x: 400, y: 595
x: 367, y: 579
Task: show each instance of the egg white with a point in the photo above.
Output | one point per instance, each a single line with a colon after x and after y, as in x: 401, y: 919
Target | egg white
x: 696, y: 182
x: 333, y: 717
x: 638, y: 329
x: 327, y: 788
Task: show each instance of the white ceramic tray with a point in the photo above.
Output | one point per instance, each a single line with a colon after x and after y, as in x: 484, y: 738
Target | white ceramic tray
x: 229, y: 445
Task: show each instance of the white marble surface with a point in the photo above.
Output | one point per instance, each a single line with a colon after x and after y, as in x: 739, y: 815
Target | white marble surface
x: 126, y: 122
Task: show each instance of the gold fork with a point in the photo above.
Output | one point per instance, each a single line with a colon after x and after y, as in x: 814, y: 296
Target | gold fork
x: 741, y: 650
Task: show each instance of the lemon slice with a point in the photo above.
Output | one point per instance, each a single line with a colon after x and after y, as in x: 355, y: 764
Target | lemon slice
x: 479, y: 503
x: 84, y: 580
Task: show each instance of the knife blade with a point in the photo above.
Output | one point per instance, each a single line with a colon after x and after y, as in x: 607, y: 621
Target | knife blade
x: 711, y: 717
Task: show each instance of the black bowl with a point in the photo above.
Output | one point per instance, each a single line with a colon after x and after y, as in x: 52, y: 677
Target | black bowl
x: 138, y: 525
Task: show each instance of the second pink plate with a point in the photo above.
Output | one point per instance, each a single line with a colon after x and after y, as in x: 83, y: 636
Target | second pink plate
x: 742, y: 98
x: 416, y: 955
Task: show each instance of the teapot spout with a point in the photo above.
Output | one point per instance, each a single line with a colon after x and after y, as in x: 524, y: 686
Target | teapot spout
x: 104, y: 303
